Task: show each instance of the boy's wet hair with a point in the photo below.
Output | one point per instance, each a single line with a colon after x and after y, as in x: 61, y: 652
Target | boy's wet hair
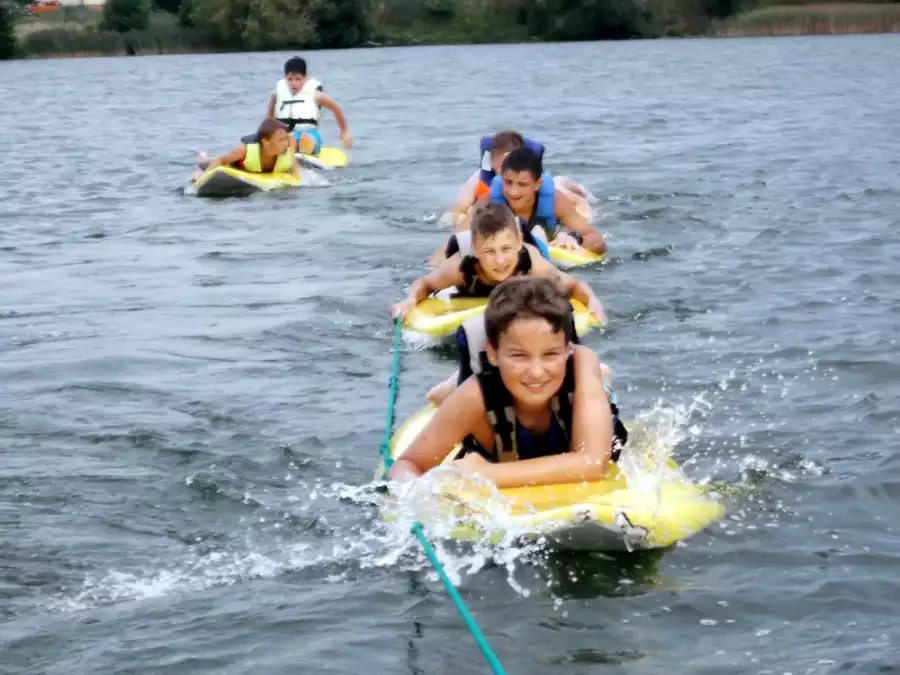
x: 268, y: 127
x: 295, y: 65
x: 507, y: 141
x: 523, y: 159
x: 527, y: 298
x: 490, y: 219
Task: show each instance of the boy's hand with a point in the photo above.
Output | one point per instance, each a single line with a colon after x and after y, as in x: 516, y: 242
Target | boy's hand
x: 401, y: 308
x: 347, y: 139
x: 472, y: 462
x: 566, y: 240
x: 597, y: 310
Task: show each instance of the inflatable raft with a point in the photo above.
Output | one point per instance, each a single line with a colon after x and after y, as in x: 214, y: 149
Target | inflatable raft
x: 604, y: 515
x: 567, y: 258
x: 226, y: 181
x: 328, y: 158
x: 440, y: 316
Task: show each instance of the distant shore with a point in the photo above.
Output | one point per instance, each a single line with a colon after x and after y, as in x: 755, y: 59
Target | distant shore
x: 78, y: 35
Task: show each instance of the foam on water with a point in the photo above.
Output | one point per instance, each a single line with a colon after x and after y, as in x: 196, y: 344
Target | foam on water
x: 375, y: 532
x: 419, y: 341
x: 374, y: 535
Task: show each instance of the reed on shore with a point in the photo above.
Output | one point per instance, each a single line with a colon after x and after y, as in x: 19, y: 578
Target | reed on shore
x: 812, y: 19
x: 78, y: 31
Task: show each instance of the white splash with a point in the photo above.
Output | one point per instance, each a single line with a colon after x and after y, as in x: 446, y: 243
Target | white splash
x: 374, y: 533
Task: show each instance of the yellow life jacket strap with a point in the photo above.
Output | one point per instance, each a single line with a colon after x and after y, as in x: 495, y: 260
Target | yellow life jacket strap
x: 252, y: 160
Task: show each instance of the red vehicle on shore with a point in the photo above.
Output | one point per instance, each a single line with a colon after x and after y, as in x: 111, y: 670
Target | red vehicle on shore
x: 42, y: 7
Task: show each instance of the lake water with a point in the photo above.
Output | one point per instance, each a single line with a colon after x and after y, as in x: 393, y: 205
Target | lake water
x: 192, y: 388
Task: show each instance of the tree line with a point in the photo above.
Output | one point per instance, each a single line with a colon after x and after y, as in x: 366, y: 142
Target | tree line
x: 137, y: 26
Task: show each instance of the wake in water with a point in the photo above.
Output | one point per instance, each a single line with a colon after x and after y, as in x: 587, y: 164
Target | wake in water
x: 374, y: 533
x: 336, y: 531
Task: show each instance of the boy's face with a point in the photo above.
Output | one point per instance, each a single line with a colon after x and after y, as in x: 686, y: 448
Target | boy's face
x: 295, y: 81
x: 499, y: 253
x: 520, y: 188
x: 278, y: 143
x: 531, y: 359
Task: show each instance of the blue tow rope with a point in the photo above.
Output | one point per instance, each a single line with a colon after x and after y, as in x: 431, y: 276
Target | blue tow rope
x: 385, y: 448
x: 417, y: 529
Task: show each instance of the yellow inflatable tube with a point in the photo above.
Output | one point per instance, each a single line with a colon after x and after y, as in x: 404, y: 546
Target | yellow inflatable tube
x: 226, y: 181
x: 604, y: 515
x: 328, y: 158
x: 567, y: 257
x: 439, y: 317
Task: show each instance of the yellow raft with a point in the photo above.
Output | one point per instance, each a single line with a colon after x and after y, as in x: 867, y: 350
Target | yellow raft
x: 438, y: 317
x: 226, y: 181
x: 328, y: 158
x: 604, y: 515
x: 567, y: 257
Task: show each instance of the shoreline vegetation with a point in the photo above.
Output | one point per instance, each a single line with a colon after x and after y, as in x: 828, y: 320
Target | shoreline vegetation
x: 137, y: 27
x: 816, y: 19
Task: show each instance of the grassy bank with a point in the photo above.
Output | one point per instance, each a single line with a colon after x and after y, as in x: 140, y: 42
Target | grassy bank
x: 450, y: 32
x: 812, y: 19
x: 441, y: 22
x: 75, y: 31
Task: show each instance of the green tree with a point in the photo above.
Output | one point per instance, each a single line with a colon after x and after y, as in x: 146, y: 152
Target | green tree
x: 440, y: 10
x: 170, y: 6
x: 588, y: 20
x: 273, y: 24
x: 341, y: 23
x: 126, y: 15
x: 253, y: 24
x: 723, y: 8
x: 7, y: 33
x: 221, y: 21
x: 184, y: 14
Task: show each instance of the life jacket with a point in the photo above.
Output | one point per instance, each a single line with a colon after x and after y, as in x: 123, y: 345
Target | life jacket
x: 486, y: 174
x: 298, y: 109
x: 461, y: 242
x: 473, y: 287
x: 513, y: 442
x: 544, y: 213
x: 253, y: 161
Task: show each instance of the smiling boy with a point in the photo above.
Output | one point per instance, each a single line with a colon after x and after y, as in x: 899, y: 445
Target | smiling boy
x: 539, y: 412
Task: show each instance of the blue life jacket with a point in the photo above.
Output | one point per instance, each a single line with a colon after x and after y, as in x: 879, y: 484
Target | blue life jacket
x: 544, y: 214
x: 486, y: 175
